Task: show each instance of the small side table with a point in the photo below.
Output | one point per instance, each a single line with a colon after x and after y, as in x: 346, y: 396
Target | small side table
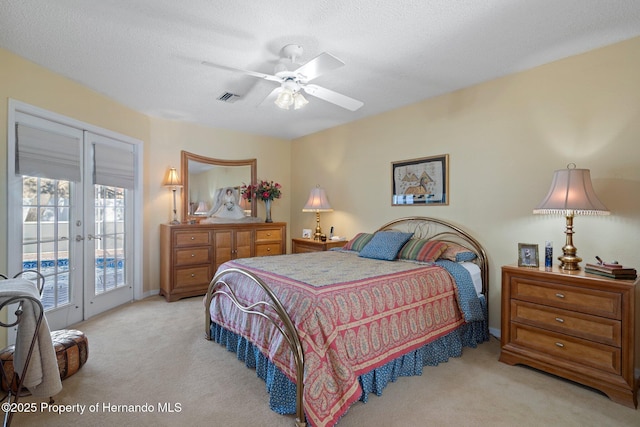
x: 299, y: 246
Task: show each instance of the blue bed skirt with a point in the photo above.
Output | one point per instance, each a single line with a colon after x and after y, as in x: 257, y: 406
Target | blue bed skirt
x: 282, y: 390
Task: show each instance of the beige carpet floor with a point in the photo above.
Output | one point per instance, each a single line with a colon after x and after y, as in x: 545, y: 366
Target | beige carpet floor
x: 153, y: 354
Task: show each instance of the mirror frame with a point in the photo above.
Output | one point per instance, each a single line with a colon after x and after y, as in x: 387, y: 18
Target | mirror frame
x: 184, y: 170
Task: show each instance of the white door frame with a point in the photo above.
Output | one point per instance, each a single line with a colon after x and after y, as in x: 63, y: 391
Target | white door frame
x: 14, y: 258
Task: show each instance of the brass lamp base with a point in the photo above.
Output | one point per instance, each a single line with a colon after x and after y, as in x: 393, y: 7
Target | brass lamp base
x: 318, y: 232
x: 569, y: 260
x: 175, y: 212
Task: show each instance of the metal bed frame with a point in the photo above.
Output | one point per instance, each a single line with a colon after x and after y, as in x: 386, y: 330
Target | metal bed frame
x: 422, y: 227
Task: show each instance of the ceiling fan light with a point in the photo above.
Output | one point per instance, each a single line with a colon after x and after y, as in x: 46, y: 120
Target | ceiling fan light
x: 299, y: 101
x: 284, y: 99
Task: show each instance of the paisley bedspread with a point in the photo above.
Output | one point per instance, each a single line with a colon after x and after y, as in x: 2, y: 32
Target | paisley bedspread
x: 352, y: 314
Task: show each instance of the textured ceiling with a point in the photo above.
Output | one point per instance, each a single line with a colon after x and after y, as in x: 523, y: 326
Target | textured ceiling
x: 147, y: 54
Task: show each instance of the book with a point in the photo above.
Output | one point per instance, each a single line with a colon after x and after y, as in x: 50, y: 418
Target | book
x: 627, y: 276
x: 611, y: 270
x: 611, y: 276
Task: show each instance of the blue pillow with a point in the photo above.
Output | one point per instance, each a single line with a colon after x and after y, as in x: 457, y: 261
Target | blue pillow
x: 465, y: 256
x: 385, y: 245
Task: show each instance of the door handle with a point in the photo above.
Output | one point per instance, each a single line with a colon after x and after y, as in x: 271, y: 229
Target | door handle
x: 79, y: 238
x: 92, y: 237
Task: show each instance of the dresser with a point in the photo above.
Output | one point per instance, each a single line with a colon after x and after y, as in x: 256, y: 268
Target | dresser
x: 300, y: 246
x: 190, y: 254
x: 571, y: 324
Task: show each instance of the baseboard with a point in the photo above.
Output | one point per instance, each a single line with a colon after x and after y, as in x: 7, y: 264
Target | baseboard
x: 495, y: 332
x: 150, y: 293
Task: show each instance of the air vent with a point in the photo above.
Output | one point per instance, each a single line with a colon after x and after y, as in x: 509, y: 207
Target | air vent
x: 228, y: 97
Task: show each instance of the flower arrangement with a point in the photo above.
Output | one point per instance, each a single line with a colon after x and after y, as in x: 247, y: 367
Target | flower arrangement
x: 263, y: 190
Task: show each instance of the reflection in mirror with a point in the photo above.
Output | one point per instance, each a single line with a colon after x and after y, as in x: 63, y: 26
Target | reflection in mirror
x: 212, y: 187
x: 206, y: 181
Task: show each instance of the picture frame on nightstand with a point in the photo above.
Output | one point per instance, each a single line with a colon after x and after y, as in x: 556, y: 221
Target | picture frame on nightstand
x: 306, y: 233
x: 528, y: 255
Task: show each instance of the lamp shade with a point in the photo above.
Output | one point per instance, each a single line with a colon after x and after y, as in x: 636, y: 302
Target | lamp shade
x: 299, y: 101
x: 245, y: 204
x: 284, y: 99
x: 317, y: 202
x: 172, y: 179
x: 571, y: 192
x: 202, y: 209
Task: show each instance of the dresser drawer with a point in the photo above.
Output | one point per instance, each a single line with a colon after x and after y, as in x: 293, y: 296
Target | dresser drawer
x: 571, y: 324
x: 268, y: 235
x: 594, y: 328
x: 265, y: 249
x: 575, y: 350
x: 192, y: 256
x: 591, y: 301
x: 193, y: 277
x: 190, y: 238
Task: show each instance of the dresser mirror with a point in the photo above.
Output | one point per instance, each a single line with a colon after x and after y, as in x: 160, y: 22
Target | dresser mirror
x: 203, y: 176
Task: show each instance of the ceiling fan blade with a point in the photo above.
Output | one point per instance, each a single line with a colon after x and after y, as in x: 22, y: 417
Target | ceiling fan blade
x: 248, y: 72
x: 333, y: 97
x: 319, y: 65
x: 271, y: 98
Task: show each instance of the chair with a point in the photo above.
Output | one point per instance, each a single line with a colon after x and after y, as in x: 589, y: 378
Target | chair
x: 20, y: 293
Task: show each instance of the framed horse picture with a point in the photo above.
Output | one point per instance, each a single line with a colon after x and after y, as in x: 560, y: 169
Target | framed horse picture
x: 423, y: 181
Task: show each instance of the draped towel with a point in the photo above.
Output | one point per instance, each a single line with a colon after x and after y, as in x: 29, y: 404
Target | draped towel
x: 42, y: 377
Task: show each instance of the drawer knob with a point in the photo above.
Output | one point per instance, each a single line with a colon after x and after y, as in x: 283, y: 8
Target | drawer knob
x: 192, y: 255
x: 559, y: 344
x: 193, y: 237
x: 559, y: 295
x: 559, y: 319
x: 268, y: 249
x: 193, y: 275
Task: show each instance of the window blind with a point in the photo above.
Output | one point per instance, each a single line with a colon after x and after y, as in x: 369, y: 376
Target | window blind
x: 113, y: 165
x: 47, y: 154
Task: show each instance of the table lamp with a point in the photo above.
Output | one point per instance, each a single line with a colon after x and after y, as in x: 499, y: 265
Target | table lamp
x: 571, y: 194
x: 172, y: 181
x: 317, y: 203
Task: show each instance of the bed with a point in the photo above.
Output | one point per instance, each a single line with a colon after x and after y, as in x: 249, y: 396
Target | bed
x: 326, y: 329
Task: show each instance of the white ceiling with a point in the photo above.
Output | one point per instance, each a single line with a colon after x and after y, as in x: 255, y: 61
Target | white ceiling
x: 147, y: 54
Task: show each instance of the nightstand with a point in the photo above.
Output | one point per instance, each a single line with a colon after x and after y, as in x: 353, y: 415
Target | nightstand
x: 571, y: 324
x: 299, y: 246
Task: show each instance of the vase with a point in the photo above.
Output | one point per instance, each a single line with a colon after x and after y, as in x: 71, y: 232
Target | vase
x: 267, y: 206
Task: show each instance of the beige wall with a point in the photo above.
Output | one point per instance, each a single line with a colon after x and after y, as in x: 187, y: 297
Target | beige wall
x: 504, y: 138
x: 23, y: 81
x: 169, y: 138
x: 162, y: 142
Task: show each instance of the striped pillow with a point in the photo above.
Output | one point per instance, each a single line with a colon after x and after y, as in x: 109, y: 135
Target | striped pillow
x: 422, y: 250
x: 358, y: 242
x: 457, y: 253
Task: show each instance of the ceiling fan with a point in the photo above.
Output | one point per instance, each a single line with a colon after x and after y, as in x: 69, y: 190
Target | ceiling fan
x: 293, y: 82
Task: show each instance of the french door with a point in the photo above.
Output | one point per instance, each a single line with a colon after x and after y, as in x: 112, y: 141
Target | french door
x: 108, y: 233
x: 50, y: 207
x: 74, y: 229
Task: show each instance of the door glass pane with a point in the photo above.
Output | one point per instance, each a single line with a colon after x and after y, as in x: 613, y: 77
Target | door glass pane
x: 110, y: 238
x: 45, y: 236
